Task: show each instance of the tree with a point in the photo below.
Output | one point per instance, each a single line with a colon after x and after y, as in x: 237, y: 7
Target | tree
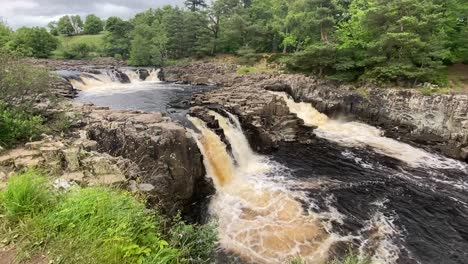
x: 402, y: 40
x: 148, y: 46
x: 69, y: 25
x: 53, y: 28
x: 65, y: 26
x: 5, y: 35
x: 118, y: 38
x: 35, y: 42
x: 93, y: 25
x: 77, y: 24
x: 195, y: 5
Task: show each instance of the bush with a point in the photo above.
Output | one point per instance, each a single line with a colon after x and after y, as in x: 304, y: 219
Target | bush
x: 247, y: 56
x: 33, y: 42
x: 78, y: 51
x: 20, y: 83
x: 196, y: 243
x: 26, y: 194
x: 17, y: 126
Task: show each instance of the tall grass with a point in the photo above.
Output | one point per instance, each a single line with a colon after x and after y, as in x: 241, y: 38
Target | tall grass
x: 95, y: 225
x: 26, y: 194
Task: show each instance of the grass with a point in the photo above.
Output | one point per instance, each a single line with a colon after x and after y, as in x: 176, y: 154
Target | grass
x: 94, y: 225
x: 26, y: 194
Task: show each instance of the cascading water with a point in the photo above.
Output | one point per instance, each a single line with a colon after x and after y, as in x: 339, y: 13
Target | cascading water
x: 113, y: 79
x: 260, y: 218
x: 270, y: 213
x: 355, y: 134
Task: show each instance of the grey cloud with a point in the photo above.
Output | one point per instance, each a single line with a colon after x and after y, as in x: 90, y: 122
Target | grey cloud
x: 19, y: 13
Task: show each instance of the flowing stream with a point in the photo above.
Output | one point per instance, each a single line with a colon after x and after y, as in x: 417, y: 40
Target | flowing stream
x: 353, y: 189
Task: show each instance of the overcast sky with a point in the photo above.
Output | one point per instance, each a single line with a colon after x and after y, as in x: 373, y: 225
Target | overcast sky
x: 19, y: 13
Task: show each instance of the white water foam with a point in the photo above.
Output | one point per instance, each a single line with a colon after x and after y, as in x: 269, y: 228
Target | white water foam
x: 355, y: 134
x: 263, y: 220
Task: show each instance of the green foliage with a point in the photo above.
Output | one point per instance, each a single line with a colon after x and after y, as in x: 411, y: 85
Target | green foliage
x: 352, y: 258
x: 65, y: 26
x: 93, y: 25
x: 248, y: 56
x: 118, y: 37
x: 33, y: 42
x: 196, y: 243
x: 17, y: 126
x: 398, y: 41
x: 69, y: 25
x: 90, y: 45
x: 95, y: 225
x: 20, y: 83
x: 5, y: 35
x: 319, y: 59
x: 26, y: 194
x: 78, y: 51
x: 114, y: 223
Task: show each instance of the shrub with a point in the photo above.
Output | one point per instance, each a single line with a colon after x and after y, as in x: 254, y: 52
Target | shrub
x: 196, y: 243
x: 17, y: 126
x: 26, y: 194
x: 33, y: 42
x: 20, y: 83
x: 78, y: 51
x: 247, y: 56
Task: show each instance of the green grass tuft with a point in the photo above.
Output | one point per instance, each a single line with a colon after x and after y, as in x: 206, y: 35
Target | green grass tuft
x: 26, y: 194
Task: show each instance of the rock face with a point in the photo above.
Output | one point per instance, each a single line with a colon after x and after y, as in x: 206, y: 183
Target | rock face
x: 72, y: 161
x: 438, y: 121
x: 266, y: 118
x: 170, y: 165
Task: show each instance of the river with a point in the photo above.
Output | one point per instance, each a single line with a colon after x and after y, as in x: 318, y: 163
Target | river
x: 351, y: 189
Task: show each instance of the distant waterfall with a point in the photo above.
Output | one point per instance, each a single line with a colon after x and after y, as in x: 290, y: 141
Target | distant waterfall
x: 112, y: 78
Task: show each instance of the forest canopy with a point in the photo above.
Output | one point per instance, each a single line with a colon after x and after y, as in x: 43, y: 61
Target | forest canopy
x: 398, y: 41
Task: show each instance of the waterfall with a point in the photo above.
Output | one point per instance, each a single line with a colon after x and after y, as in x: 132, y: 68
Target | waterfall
x: 355, y: 134
x: 111, y: 79
x: 246, y: 159
x: 259, y: 217
x: 217, y: 161
x: 153, y: 76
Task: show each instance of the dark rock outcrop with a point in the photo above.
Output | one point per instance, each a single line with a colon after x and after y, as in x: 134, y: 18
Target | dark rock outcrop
x: 266, y: 118
x: 166, y: 154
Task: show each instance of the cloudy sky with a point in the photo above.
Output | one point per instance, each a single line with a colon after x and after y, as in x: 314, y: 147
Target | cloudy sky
x: 19, y: 13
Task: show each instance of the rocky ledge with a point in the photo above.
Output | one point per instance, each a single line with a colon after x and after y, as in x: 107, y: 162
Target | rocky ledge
x: 146, y: 153
x: 438, y: 121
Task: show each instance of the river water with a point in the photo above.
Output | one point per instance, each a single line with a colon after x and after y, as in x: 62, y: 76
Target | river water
x: 352, y: 189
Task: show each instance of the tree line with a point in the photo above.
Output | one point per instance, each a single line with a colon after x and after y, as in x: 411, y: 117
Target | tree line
x: 403, y: 41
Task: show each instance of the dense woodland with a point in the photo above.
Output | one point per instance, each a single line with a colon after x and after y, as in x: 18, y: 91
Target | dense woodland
x: 403, y: 41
